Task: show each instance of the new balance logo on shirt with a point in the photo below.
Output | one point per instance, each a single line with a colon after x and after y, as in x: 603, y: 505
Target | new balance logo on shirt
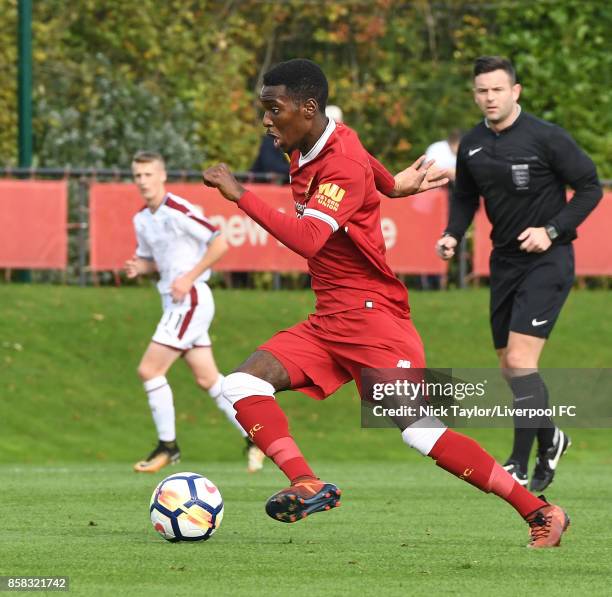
x: 403, y: 364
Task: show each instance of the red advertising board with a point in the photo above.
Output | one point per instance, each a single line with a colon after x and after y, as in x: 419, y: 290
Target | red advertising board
x: 410, y: 226
x: 593, y: 246
x: 33, y: 218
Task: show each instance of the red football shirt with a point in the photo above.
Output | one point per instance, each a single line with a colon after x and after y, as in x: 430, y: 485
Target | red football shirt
x: 334, y: 187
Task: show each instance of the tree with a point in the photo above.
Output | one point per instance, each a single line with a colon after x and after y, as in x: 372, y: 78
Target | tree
x: 186, y: 75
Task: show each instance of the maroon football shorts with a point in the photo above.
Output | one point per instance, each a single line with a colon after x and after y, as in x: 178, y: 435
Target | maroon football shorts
x: 326, y: 351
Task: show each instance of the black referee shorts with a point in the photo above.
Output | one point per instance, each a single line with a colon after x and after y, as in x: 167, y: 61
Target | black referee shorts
x: 528, y: 291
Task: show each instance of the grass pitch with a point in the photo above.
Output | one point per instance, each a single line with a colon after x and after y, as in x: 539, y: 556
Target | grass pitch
x: 403, y: 529
x: 75, y: 419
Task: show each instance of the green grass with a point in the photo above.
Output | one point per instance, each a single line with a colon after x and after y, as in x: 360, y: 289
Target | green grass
x: 403, y: 528
x: 74, y: 418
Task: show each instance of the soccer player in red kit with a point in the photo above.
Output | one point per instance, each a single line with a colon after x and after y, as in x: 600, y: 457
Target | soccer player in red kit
x: 362, y: 318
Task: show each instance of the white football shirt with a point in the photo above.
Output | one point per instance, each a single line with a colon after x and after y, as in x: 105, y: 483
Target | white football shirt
x: 443, y: 154
x: 176, y: 237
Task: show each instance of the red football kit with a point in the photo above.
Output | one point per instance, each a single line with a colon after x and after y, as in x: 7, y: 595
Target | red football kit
x: 362, y: 317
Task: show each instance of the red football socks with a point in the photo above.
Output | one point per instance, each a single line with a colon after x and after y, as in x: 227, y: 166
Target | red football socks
x: 466, y: 459
x: 267, y: 426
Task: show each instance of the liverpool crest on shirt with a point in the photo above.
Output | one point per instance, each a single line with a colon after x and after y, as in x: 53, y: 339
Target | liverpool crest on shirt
x: 300, y: 206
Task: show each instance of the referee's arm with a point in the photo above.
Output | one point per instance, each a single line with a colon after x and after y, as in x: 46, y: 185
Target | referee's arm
x: 464, y: 200
x: 576, y: 169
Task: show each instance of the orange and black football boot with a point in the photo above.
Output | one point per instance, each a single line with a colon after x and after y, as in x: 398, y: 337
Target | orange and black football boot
x: 546, y: 525
x: 302, y: 499
x: 164, y: 454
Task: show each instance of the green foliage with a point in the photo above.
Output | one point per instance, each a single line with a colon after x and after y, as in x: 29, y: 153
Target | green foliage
x: 561, y: 51
x: 8, y: 82
x: 123, y: 118
x: 115, y: 75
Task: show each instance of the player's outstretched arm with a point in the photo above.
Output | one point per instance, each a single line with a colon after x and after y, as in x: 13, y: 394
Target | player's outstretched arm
x: 422, y: 175
x: 305, y: 236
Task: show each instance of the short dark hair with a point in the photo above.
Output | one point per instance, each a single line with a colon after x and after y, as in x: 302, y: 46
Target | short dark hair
x: 303, y: 79
x: 144, y: 156
x: 487, y: 64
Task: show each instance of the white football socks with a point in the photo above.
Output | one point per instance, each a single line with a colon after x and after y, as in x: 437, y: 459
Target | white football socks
x: 423, y: 434
x: 162, y: 407
x: 224, y: 405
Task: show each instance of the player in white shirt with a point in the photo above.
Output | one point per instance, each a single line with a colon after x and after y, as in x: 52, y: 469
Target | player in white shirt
x: 176, y: 240
x: 444, y: 153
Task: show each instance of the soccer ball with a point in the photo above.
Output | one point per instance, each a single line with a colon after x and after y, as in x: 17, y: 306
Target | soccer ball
x: 186, y: 507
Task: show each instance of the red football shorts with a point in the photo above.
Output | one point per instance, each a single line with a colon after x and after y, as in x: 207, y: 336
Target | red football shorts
x: 326, y: 351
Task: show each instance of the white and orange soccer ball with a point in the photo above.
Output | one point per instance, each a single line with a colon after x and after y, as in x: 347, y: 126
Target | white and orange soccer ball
x: 186, y: 507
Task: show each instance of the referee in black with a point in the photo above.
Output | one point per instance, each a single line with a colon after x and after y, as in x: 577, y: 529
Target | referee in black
x: 521, y: 165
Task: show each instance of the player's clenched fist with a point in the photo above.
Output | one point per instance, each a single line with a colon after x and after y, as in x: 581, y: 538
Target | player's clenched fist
x: 220, y: 176
x: 445, y: 247
x: 132, y: 268
x: 534, y: 240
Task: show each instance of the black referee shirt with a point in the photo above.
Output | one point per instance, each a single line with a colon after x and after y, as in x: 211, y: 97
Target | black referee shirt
x: 522, y: 173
